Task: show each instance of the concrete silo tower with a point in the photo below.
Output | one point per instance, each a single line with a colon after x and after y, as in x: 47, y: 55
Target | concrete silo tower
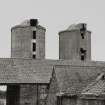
x: 28, y: 40
x: 75, y: 43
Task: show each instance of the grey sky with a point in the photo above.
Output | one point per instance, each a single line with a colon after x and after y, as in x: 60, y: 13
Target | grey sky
x: 55, y: 15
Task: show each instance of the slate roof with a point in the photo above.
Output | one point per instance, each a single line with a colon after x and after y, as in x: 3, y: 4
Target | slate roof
x: 76, y: 74
x: 96, y: 88
x: 25, y: 75
x: 24, y: 72
x: 73, y: 79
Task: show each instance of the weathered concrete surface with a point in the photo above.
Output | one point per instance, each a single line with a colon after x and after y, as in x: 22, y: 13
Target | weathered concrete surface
x: 22, y: 42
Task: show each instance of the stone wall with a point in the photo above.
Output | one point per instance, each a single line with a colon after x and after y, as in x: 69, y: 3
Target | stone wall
x: 93, y: 102
x: 33, y: 94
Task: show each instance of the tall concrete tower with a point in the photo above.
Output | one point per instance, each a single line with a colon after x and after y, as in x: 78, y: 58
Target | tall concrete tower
x: 75, y: 43
x: 28, y: 40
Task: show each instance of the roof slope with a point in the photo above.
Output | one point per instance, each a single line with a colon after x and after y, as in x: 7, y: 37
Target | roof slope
x: 97, y: 87
x: 76, y: 73
x: 26, y: 72
x: 73, y: 79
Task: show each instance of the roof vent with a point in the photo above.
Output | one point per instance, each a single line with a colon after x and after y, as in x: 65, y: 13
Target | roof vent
x: 82, y: 26
x: 33, y: 22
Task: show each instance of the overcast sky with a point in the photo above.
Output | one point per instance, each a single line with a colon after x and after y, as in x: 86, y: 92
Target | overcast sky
x: 55, y: 15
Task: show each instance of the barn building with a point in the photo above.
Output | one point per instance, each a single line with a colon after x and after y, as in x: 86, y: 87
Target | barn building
x: 31, y: 79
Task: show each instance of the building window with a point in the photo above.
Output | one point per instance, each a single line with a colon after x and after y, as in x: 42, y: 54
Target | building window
x: 82, y: 35
x: 59, y: 100
x: 27, y: 103
x: 34, y: 46
x: 82, y: 50
x: 82, y: 31
x: 34, y: 34
x: 34, y: 56
x: 82, y: 57
x: 82, y: 54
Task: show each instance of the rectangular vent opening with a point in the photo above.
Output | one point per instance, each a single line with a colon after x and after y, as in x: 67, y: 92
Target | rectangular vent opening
x: 34, y: 56
x: 34, y: 34
x: 82, y: 54
x: 34, y: 46
x: 33, y: 22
